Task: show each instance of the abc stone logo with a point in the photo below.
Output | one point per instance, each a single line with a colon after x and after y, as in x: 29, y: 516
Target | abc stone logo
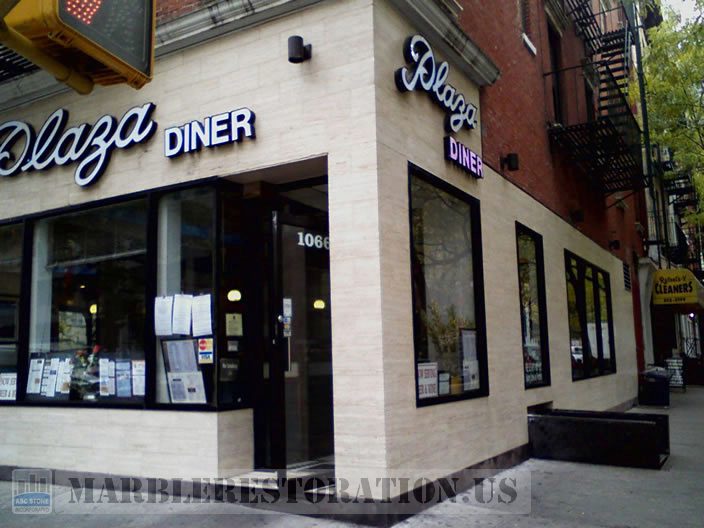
x: 31, y: 491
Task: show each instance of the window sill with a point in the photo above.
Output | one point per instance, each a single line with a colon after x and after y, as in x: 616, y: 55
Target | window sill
x: 529, y: 44
x: 537, y: 385
x: 426, y: 402
x: 595, y: 376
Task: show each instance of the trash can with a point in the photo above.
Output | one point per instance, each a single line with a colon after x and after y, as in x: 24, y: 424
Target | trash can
x: 654, y: 387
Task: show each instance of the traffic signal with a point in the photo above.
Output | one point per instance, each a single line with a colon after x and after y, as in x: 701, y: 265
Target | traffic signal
x: 110, y: 41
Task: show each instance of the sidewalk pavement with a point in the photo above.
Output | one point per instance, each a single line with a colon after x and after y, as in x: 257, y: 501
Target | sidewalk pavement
x: 564, y: 495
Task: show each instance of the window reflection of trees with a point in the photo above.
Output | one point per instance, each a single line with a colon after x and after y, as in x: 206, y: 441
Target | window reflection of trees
x: 442, y: 273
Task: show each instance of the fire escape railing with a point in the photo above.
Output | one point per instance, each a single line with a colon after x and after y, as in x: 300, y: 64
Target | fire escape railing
x: 682, y: 196
x: 593, y: 123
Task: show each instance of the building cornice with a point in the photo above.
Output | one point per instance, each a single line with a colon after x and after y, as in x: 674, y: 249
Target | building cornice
x: 440, y: 28
x: 227, y: 16
x: 207, y: 23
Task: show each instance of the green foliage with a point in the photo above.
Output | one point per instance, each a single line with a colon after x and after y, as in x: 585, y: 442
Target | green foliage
x: 674, y: 70
x: 444, y: 332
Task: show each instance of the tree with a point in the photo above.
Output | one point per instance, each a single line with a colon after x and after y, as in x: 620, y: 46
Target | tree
x: 674, y: 71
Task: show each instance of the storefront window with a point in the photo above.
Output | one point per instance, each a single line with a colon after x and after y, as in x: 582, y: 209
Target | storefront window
x: 10, y: 282
x: 185, y: 279
x: 449, y: 334
x: 531, y: 282
x: 589, y: 311
x: 236, y: 297
x: 87, y: 323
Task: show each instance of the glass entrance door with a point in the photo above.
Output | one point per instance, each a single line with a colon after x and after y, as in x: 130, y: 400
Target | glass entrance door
x: 298, y: 372
x: 305, y: 342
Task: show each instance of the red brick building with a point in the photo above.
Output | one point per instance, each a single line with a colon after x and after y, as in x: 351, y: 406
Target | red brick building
x: 551, y: 55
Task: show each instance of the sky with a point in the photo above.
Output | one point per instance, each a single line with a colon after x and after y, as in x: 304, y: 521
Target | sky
x: 684, y: 7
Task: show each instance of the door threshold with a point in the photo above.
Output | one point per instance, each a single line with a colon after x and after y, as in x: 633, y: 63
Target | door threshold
x: 330, y: 490
x: 258, y: 479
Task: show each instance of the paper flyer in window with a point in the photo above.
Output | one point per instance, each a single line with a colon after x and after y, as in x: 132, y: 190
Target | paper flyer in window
x: 181, y: 320
x: 470, y: 375
x: 34, y: 381
x: 163, y: 314
x: 202, y: 316
x: 181, y: 355
x: 63, y: 383
x: 186, y: 387
x: 469, y: 344
x: 138, y: 377
x: 105, y: 379
x: 233, y: 325
x: 50, y: 376
x: 8, y: 386
x: 123, y: 379
x: 427, y: 380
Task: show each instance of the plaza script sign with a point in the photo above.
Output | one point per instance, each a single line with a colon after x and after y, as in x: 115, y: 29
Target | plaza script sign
x: 90, y: 147
x: 426, y: 74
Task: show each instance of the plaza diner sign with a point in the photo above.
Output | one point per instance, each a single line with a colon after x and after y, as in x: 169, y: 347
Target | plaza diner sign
x: 426, y: 74
x: 89, y: 146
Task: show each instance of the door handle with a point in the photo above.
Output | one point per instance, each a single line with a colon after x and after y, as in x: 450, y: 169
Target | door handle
x: 286, y: 333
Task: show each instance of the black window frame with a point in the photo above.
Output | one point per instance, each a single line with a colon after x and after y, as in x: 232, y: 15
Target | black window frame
x: 150, y: 346
x: 582, y: 267
x: 555, y: 57
x: 478, y: 278
x: 537, y: 238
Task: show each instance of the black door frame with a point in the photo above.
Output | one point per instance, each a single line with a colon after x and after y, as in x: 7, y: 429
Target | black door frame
x: 269, y: 396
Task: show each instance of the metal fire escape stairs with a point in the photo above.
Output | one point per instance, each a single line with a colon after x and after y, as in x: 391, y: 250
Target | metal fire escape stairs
x: 607, y: 148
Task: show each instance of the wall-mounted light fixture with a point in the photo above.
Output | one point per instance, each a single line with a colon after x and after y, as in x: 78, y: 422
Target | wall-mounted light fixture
x: 297, y: 51
x: 509, y: 161
x: 234, y: 295
x: 614, y: 245
x: 577, y: 216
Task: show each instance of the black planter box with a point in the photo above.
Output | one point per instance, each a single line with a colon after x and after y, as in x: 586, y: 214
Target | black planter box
x: 654, y: 391
x: 612, y: 438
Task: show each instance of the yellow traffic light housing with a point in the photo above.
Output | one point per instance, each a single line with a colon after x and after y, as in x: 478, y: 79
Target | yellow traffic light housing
x: 108, y: 41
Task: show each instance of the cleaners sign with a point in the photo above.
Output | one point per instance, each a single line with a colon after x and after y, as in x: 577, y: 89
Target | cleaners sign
x: 676, y: 286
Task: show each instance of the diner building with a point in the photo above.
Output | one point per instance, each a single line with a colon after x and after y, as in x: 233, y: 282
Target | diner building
x: 254, y: 264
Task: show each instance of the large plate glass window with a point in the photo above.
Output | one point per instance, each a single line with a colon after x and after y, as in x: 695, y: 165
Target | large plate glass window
x: 185, y: 278
x: 590, y: 320
x: 531, y: 284
x: 10, y: 283
x: 448, y: 299
x: 87, y: 323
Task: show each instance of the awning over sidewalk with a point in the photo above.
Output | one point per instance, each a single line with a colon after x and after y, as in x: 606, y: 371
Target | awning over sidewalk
x: 679, y: 289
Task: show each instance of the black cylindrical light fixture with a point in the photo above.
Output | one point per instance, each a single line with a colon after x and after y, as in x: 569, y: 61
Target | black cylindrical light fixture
x: 297, y: 51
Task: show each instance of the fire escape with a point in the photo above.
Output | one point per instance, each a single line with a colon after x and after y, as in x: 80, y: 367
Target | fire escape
x: 602, y: 138
x: 686, y: 248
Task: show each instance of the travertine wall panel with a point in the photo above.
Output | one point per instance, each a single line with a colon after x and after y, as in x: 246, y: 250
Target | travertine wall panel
x: 432, y: 441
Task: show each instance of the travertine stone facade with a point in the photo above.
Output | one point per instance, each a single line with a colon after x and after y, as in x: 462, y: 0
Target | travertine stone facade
x: 341, y: 106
